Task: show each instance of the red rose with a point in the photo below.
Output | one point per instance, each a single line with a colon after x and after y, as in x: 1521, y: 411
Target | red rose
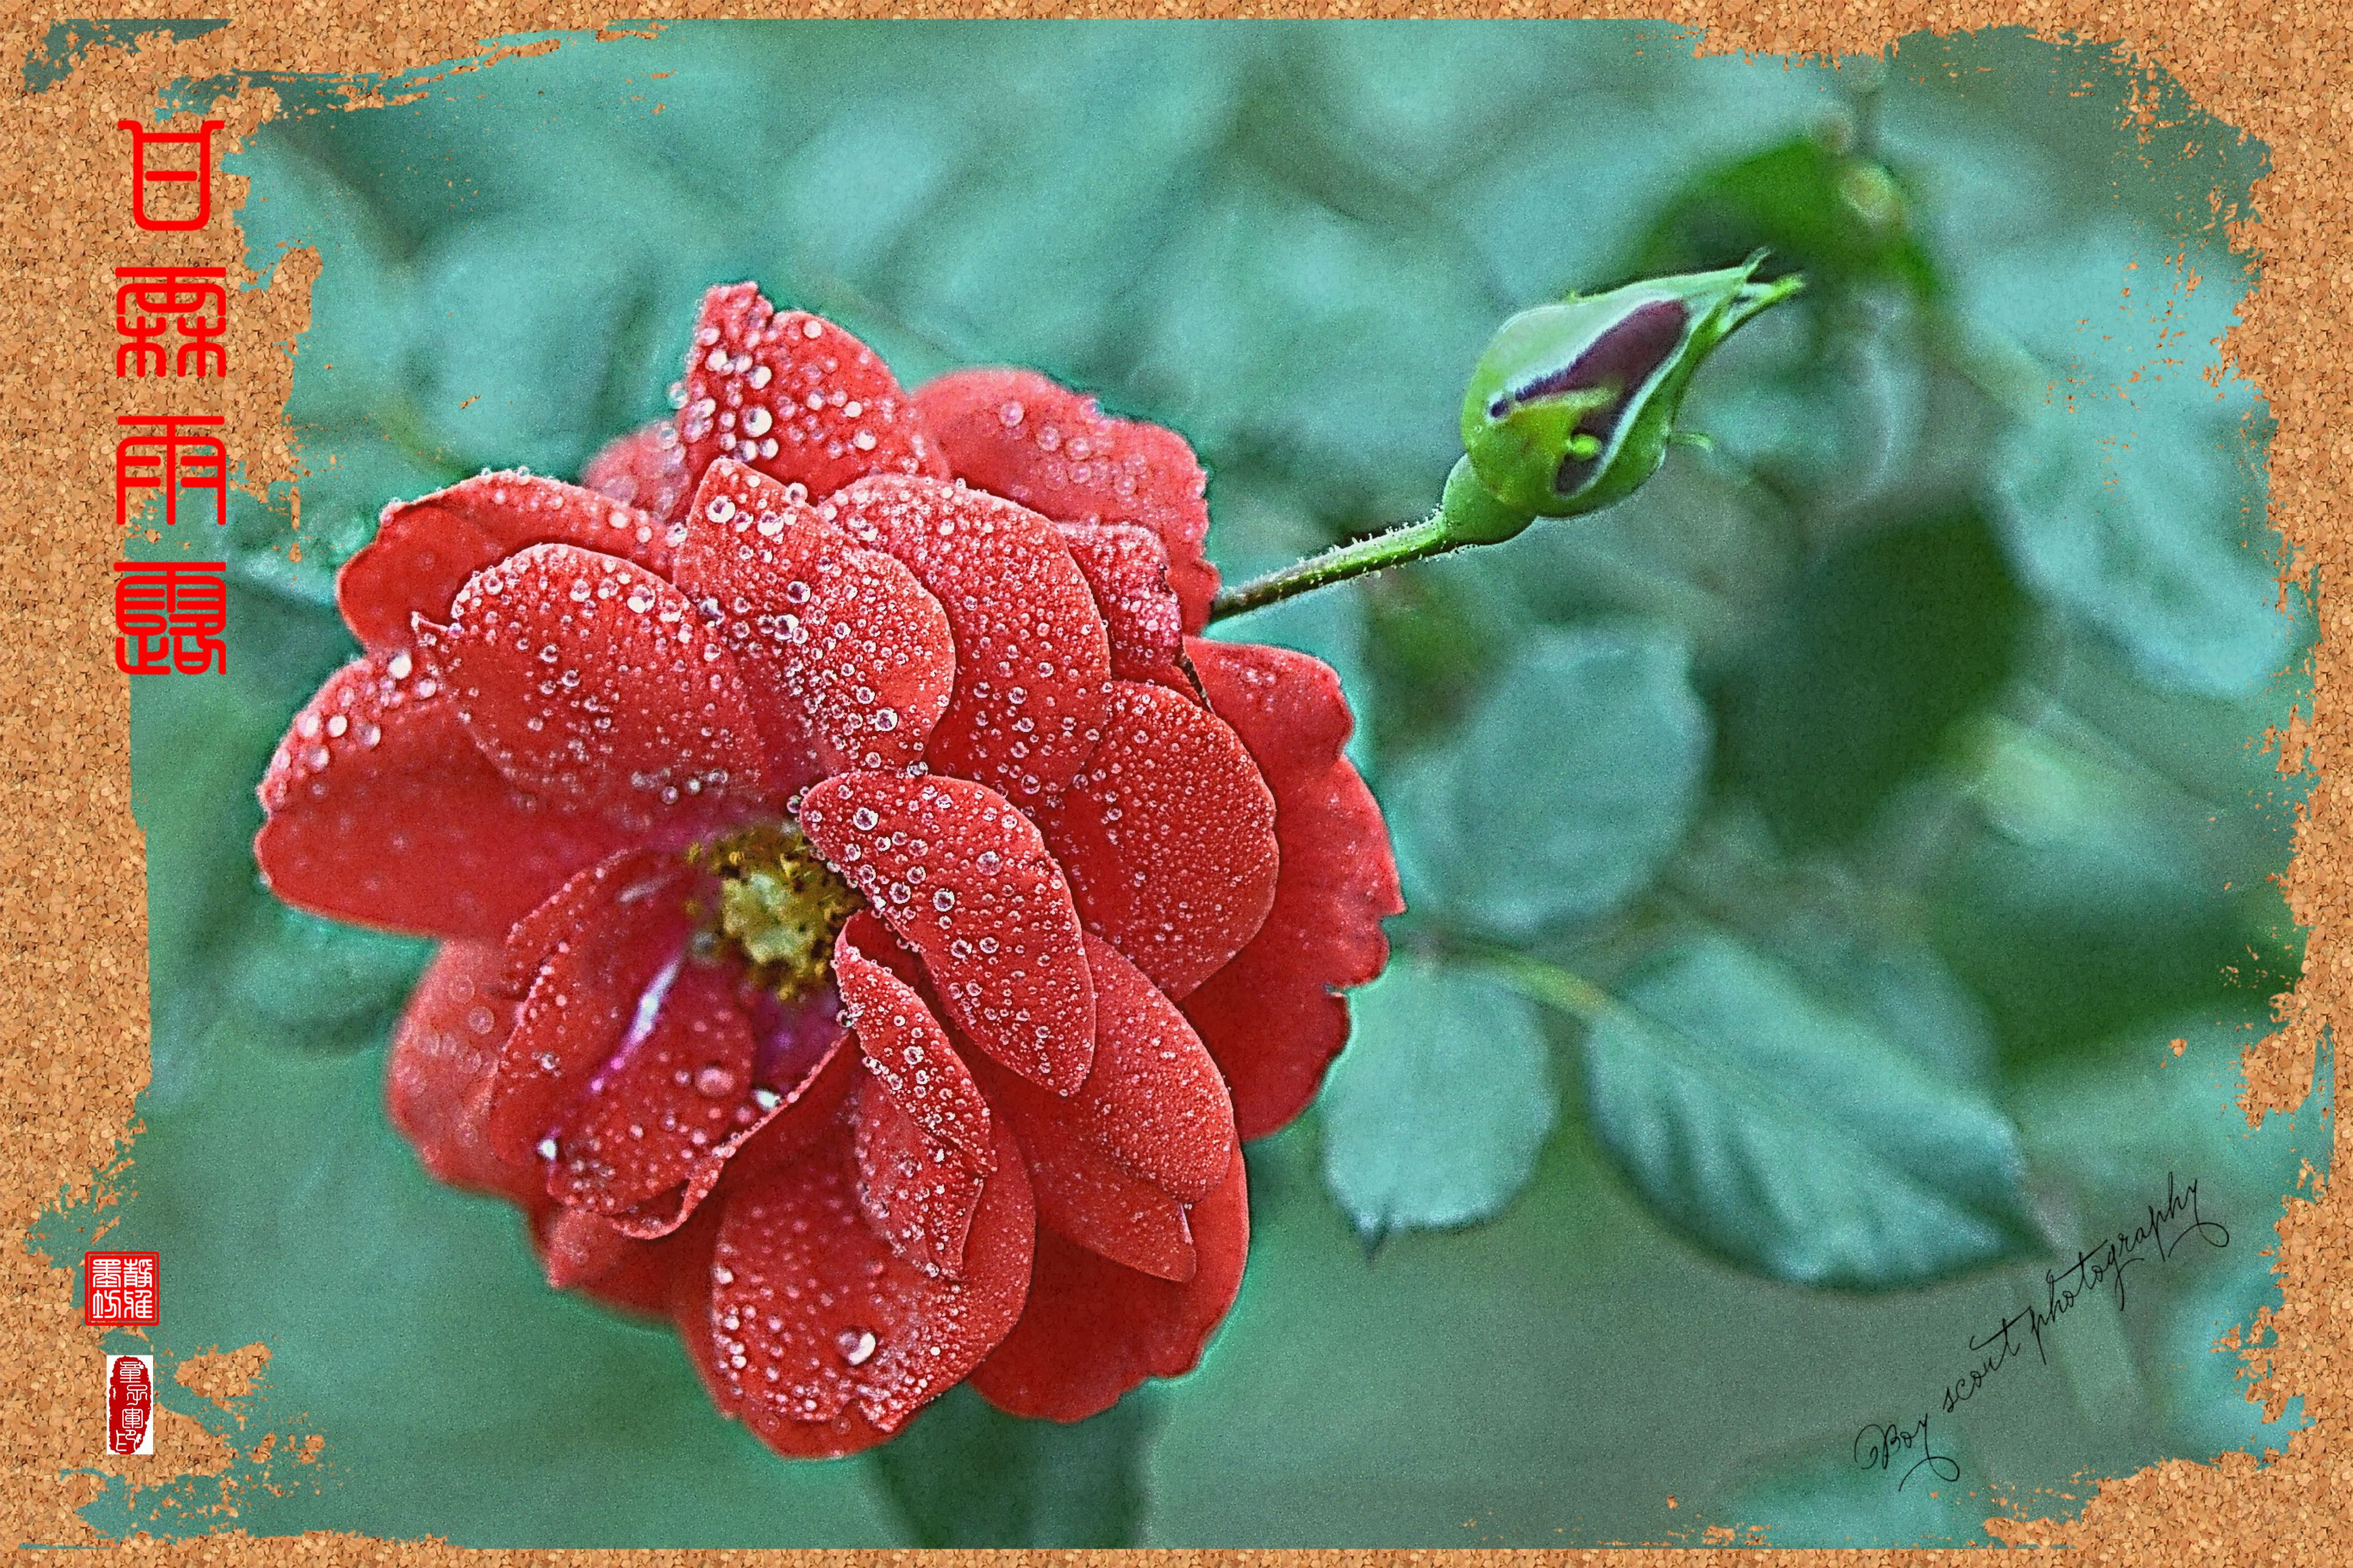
x: 871, y: 919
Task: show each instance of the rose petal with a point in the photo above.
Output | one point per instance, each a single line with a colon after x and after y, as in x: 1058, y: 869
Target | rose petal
x: 906, y: 1048
x: 1022, y: 437
x: 425, y: 549
x: 679, y: 1089
x: 598, y: 989
x: 799, y: 1079
x: 964, y: 879
x: 1093, y: 1329
x: 575, y: 1247
x: 1126, y: 569
x: 1085, y: 1195
x: 645, y: 469
x: 799, y: 1067
x: 1273, y: 1017
x: 587, y: 678
x: 795, y: 397
x: 689, y: 1310
x: 811, y: 1111
x: 1167, y: 837
x: 1032, y: 660
x: 844, y: 654
x: 379, y: 809
x: 581, y: 1251
x: 917, y: 1192
x: 1153, y: 1102
x: 438, y: 1078
x: 804, y: 1290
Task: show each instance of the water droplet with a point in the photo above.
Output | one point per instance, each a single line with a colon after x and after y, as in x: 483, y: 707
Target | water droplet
x: 857, y: 1346
x: 715, y: 1082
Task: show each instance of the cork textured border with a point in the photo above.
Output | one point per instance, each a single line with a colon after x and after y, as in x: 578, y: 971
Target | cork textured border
x: 73, y: 980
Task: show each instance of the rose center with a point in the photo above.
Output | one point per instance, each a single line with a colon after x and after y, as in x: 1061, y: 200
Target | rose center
x: 780, y: 907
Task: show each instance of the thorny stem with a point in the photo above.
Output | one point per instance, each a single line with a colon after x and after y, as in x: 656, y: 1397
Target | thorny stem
x: 1407, y: 541
x: 1466, y: 514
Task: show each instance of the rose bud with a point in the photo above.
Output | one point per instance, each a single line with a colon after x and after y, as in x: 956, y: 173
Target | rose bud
x: 1572, y: 405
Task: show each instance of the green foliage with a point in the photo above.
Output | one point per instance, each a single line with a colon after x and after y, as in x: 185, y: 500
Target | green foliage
x: 1570, y: 784
x: 1434, y: 1114
x: 1885, y: 779
x: 1793, y: 1136
x: 965, y: 1474
x: 1882, y: 645
x: 2105, y: 537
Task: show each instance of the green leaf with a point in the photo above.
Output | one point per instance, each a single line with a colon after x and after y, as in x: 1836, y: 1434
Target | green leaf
x: 1434, y: 1113
x: 1880, y: 648
x: 964, y: 1473
x: 301, y: 983
x: 1794, y: 1138
x: 2085, y: 890
x: 2131, y: 493
x: 1854, y: 944
x: 1573, y: 780
x: 2142, y: 518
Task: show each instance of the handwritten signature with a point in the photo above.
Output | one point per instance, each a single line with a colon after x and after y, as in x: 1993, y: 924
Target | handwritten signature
x: 2099, y: 1269
x: 1876, y: 1447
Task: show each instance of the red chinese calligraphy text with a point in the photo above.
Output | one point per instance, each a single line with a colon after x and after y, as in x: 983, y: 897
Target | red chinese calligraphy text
x: 169, y: 617
x: 143, y: 178
x: 150, y: 301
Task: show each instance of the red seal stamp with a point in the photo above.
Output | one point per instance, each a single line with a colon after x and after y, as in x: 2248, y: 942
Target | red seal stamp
x: 131, y: 1404
x: 119, y: 1289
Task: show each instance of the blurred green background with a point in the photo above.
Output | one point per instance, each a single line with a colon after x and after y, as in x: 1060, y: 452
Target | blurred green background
x: 1812, y: 858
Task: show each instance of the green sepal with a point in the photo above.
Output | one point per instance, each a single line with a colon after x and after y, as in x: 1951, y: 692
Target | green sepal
x: 1554, y: 429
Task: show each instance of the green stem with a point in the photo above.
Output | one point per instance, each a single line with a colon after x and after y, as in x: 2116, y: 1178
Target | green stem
x: 1467, y: 514
x: 1548, y: 984
x: 1408, y: 542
